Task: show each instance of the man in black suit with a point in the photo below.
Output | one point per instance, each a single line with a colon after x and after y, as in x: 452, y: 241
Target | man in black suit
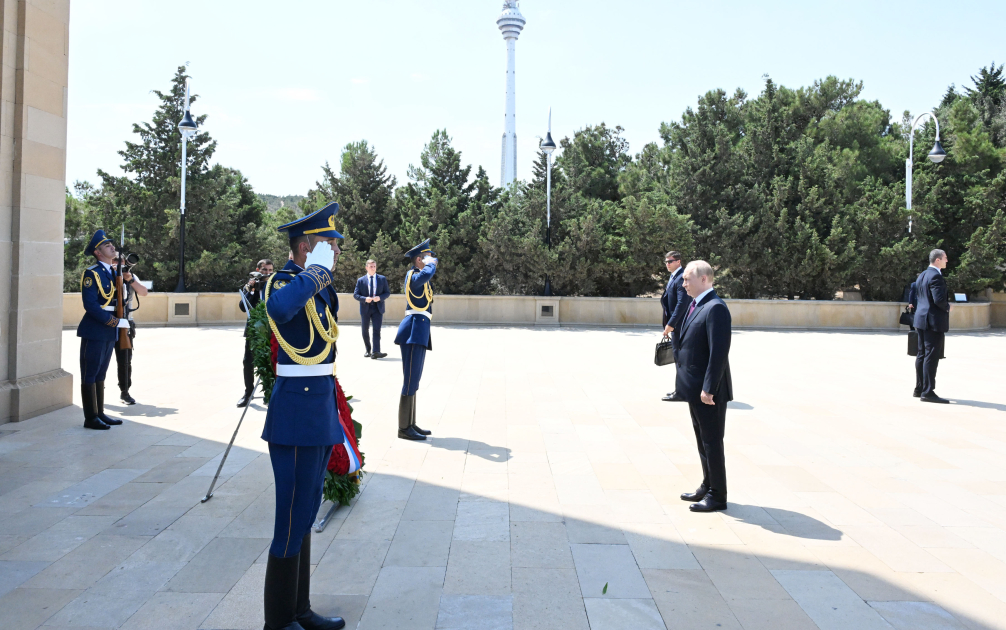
x: 371, y: 292
x: 674, y: 302
x: 252, y: 293
x: 704, y: 380
x: 932, y: 321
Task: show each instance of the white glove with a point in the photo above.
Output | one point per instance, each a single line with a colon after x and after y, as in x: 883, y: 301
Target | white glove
x: 429, y: 259
x: 123, y: 323
x: 322, y: 255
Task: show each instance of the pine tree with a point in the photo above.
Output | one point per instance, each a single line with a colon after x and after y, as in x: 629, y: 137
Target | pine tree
x: 365, y: 193
x: 227, y: 226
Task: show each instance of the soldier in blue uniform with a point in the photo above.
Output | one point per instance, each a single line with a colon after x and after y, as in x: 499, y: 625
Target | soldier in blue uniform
x: 302, y: 423
x: 414, y: 335
x: 98, y: 329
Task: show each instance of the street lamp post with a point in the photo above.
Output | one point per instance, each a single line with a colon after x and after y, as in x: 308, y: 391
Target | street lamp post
x: 187, y: 126
x: 548, y: 146
x: 935, y: 156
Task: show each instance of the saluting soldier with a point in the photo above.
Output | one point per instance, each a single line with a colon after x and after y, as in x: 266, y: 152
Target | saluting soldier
x: 98, y: 329
x: 414, y: 335
x: 302, y: 423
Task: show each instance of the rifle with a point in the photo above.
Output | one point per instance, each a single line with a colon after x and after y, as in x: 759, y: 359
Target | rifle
x: 120, y: 301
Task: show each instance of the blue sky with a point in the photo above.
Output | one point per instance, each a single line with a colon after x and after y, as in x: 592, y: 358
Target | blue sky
x: 287, y: 84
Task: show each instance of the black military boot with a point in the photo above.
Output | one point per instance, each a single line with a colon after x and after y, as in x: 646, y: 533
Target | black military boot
x: 281, y: 593
x: 405, y: 430
x: 99, y: 399
x: 414, y: 427
x: 307, y: 618
x: 123, y: 363
x: 91, y: 420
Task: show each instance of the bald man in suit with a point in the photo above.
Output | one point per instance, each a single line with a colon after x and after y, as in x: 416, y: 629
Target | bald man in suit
x: 703, y: 379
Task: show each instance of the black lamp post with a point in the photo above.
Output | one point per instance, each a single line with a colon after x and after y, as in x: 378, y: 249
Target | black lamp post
x: 935, y: 156
x: 188, y: 128
x: 548, y: 146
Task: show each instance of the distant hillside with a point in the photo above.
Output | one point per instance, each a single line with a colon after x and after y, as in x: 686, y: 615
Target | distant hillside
x: 275, y: 202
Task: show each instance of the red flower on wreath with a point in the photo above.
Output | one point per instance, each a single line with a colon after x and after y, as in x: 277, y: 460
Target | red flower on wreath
x: 338, y: 463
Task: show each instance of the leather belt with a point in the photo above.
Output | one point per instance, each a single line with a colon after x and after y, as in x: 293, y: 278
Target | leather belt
x: 423, y: 313
x: 322, y: 369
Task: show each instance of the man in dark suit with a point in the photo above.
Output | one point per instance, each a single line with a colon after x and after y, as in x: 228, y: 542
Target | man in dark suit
x: 371, y: 292
x: 932, y: 321
x: 703, y: 379
x: 674, y: 302
x: 251, y: 294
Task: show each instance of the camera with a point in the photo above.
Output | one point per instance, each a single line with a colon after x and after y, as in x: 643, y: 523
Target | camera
x: 129, y: 259
x: 257, y: 280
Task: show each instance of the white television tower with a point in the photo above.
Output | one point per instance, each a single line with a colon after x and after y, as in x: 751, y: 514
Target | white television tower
x: 511, y: 23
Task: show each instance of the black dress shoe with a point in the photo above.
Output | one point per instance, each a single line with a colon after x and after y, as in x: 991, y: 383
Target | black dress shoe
x: 698, y: 495
x: 673, y: 397
x: 708, y: 504
x: 126, y: 398
x: 313, y: 621
x: 367, y: 356
x: 378, y: 355
x: 917, y: 393
x: 409, y: 433
x: 933, y: 398
x: 245, y: 400
x: 95, y: 423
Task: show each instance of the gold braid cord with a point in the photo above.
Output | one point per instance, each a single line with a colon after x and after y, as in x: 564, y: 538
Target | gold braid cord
x: 427, y: 293
x: 108, y: 296
x: 328, y: 336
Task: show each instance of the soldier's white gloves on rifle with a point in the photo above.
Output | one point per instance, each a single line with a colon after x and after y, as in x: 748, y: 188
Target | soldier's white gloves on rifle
x: 123, y: 323
x: 429, y: 259
x: 322, y: 255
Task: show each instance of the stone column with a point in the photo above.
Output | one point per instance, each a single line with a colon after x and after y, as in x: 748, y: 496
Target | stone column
x: 33, y: 91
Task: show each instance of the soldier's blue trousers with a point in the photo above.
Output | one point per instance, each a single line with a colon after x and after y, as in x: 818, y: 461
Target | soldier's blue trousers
x: 413, y: 359
x: 299, y: 472
x: 94, y: 358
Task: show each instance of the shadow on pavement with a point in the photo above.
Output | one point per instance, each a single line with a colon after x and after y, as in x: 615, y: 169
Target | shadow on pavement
x: 978, y: 403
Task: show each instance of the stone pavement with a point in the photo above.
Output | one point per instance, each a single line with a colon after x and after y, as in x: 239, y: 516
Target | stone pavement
x: 548, y: 497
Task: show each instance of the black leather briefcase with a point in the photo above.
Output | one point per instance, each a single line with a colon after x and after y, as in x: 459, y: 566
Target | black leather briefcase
x: 907, y: 319
x: 664, y: 354
x: 913, y: 345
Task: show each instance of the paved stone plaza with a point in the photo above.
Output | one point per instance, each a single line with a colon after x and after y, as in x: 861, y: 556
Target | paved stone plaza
x: 554, y: 470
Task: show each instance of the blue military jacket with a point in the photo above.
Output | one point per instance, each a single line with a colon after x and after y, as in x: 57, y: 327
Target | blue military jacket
x: 415, y: 328
x: 97, y: 291
x: 302, y: 410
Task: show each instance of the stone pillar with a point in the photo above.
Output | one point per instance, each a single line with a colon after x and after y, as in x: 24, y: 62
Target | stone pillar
x: 33, y: 89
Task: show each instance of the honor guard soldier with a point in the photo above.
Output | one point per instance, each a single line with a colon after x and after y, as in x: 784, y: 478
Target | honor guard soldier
x: 414, y: 335
x: 302, y: 423
x: 98, y: 329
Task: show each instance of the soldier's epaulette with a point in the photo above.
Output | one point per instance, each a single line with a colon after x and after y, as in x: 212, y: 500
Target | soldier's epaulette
x: 276, y: 282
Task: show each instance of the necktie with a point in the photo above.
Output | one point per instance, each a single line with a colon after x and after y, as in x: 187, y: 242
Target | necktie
x: 691, y: 309
x: 371, y: 286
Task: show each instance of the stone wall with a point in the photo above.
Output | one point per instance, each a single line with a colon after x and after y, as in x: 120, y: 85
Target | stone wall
x: 209, y: 309
x: 33, y: 96
x: 997, y: 316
